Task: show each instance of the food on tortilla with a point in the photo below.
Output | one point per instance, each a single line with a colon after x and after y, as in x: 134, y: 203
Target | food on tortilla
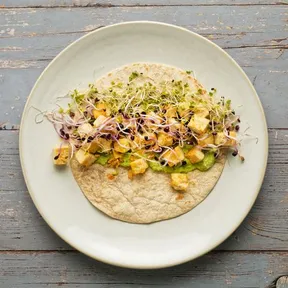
x: 162, y: 134
x: 61, y: 155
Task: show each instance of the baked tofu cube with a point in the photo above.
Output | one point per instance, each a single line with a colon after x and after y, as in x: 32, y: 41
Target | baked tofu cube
x: 179, y: 153
x: 116, y: 154
x: 220, y: 138
x: 99, y: 145
x: 230, y: 141
x: 179, y: 181
x: 149, y: 139
x: 174, y: 123
x: 136, y: 143
x: 139, y: 166
x: 85, y: 129
x: 91, y: 147
x: 184, y: 109
x: 61, y: 155
x: 97, y: 113
x: 171, y: 112
x: 195, y: 155
x: 202, y: 112
x: 173, y: 157
x: 101, y: 109
x: 123, y: 146
x: 164, y: 139
x: 206, y: 141
x: 156, y: 119
x: 99, y: 121
x: 104, y: 145
x: 84, y: 158
x: 198, y: 124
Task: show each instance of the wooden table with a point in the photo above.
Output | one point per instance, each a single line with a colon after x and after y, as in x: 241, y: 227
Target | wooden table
x: 253, y: 32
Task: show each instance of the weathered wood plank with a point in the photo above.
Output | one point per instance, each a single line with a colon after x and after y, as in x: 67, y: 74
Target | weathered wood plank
x: 73, y: 270
x: 31, y: 37
x: 265, y: 227
x: 215, y: 19
x: 105, y: 3
x: 266, y: 68
x: 46, y: 46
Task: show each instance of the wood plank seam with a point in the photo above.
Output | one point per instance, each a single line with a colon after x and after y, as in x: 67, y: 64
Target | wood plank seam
x: 109, y: 5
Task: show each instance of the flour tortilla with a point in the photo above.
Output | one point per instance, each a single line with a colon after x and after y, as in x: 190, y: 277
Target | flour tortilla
x: 149, y: 197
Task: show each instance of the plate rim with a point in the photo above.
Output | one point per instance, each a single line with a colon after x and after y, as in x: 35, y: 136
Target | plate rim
x: 170, y: 263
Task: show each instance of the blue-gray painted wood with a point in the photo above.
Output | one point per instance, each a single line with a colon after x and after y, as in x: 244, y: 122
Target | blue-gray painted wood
x: 71, y: 270
x: 264, y: 67
x: 30, y: 38
x: 105, y: 3
x: 254, y: 32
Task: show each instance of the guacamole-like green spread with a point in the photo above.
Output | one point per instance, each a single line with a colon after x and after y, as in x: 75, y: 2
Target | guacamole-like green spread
x: 125, y: 160
x: 103, y: 159
x: 204, y: 165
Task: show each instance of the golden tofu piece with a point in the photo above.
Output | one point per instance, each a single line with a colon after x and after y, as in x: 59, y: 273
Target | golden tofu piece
x: 171, y: 112
x: 116, y: 154
x: 231, y: 142
x: 104, y: 145
x: 179, y: 181
x: 149, y: 138
x: 202, y: 112
x: 174, y: 123
x: 195, y: 155
x: 84, y: 158
x: 99, y: 145
x: 184, y: 109
x: 99, y: 121
x: 139, y: 166
x: 61, y: 155
x: 102, y: 109
x: 97, y: 113
x: 222, y: 139
x: 91, y: 147
x: 164, y: 139
x: 198, y: 124
x: 173, y: 157
x: 85, y: 129
x: 179, y: 153
x: 123, y: 145
x: 206, y: 141
x: 136, y: 143
x: 101, y: 106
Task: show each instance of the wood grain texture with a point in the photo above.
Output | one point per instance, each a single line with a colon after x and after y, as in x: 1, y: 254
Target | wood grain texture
x: 105, y: 3
x: 254, y: 32
x: 265, y: 228
x: 266, y: 69
x: 32, y: 22
x: 30, y: 38
x: 215, y: 270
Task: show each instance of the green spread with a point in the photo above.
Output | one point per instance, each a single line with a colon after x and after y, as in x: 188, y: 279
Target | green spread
x: 204, y: 165
x: 103, y: 159
x: 125, y: 160
x: 207, y: 162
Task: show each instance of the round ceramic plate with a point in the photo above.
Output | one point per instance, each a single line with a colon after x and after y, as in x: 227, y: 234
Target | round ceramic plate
x: 59, y: 199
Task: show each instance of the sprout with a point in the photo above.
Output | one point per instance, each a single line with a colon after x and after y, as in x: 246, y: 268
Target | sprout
x: 136, y: 109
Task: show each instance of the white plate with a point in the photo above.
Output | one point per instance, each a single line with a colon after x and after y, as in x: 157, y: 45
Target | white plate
x: 59, y: 199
